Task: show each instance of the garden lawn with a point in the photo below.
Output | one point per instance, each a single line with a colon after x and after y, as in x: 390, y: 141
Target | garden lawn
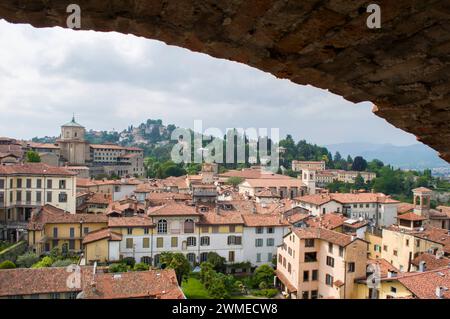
x: 194, y: 289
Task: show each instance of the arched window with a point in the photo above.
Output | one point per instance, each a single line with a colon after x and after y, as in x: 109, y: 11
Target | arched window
x: 191, y: 241
x: 191, y: 258
x: 147, y: 260
x: 189, y: 226
x: 162, y: 226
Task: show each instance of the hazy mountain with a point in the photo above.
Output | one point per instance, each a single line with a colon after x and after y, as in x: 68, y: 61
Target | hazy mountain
x: 416, y: 156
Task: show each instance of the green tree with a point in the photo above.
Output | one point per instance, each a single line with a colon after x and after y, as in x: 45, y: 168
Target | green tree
x: 7, y: 264
x: 218, y: 288
x: 234, y: 181
x: 177, y: 262
x: 27, y: 260
x: 33, y: 157
x: 141, y: 267
x: 217, y: 261
x: 44, y: 262
x: 263, y: 273
x: 359, y: 182
x: 359, y: 164
x: 206, y: 273
x: 118, y: 267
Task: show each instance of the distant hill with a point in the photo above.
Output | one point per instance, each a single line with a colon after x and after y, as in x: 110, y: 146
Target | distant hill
x: 416, y: 156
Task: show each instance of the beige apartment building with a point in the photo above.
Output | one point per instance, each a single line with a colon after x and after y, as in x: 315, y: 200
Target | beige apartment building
x: 24, y: 187
x: 298, y: 166
x: 317, y: 263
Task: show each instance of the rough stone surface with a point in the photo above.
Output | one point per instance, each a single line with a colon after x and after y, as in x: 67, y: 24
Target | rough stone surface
x: 403, y: 68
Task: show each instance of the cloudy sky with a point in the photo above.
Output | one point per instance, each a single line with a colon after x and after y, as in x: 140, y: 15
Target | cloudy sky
x: 112, y: 80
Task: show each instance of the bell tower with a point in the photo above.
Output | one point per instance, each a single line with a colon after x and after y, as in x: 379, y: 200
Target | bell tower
x: 73, y: 144
x: 422, y: 197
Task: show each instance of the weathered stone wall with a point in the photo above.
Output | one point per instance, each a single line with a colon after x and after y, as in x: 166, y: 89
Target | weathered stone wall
x: 403, y: 67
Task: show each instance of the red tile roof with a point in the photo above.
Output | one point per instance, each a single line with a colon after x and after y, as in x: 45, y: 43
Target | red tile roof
x: 172, y: 209
x: 49, y: 214
x: 431, y: 261
x: 134, y: 221
x: 34, y: 169
x: 29, y: 281
x: 404, y: 208
x: 347, y: 198
x: 258, y: 220
x: 423, y: 284
x: 100, y: 234
x: 160, y: 284
x: 324, y: 234
x: 328, y: 221
x: 223, y: 218
x: 411, y: 217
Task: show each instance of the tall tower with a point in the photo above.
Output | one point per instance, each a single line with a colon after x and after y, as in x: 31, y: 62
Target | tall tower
x: 422, y: 197
x: 309, y: 179
x: 73, y: 144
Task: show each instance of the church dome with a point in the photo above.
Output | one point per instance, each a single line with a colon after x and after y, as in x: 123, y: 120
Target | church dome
x: 72, y: 123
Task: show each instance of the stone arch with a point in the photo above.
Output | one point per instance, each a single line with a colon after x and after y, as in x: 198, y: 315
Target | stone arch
x: 402, y: 67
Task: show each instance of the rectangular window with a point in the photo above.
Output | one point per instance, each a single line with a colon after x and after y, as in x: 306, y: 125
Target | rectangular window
x: 259, y: 230
x: 49, y: 197
x: 204, y: 241
x: 19, y: 196
x: 55, y: 232
x: 329, y: 280
x: 146, y: 242
x: 395, y: 252
x: 270, y: 230
x: 129, y: 231
x: 310, y: 257
x: 62, y: 197
x: 330, y: 248
x: 39, y: 183
x: 2, y: 183
x: 231, y: 256
x: 49, y: 183
x: 385, y: 247
x: 314, y: 294
x: 19, y: 183
x: 72, y: 244
x: 129, y: 243
x: 330, y: 261
x: 38, y: 196
x: 309, y: 242
x: 62, y: 184
x: 159, y: 242
x: 269, y: 257
x: 72, y: 232
x: 86, y: 230
x: 28, y: 182
x: 351, y: 267
x: 270, y: 242
x: 146, y: 230
x: 28, y: 196
x: 258, y: 242
x: 232, y: 228
x: 315, y: 275
x: 305, y: 295
x: 341, y: 251
x: 173, y: 242
x: 258, y: 257
x: 306, y: 276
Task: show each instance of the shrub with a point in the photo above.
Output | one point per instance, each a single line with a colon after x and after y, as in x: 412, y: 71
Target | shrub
x: 27, y: 260
x: 44, y: 262
x: 263, y: 273
x: 7, y: 264
x: 62, y: 263
x: 262, y: 285
x: 141, y: 267
x: 269, y: 293
x: 118, y: 268
x: 129, y: 261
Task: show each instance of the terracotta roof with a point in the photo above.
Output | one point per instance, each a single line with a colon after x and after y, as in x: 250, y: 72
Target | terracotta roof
x: 285, y: 281
x: 258, y: 220
x: 86, y: 182
x: 423, y: 284
x: 338, y: 283
x: 404, y: 208
x: 123, y: 205
x: 99, y: 198
x: 134, y: 221
x: 267, y: 193
x: 104, y: 233
x: 29, y: 281
x: 431, y: 261
x: 324, y: 234
x: 411, y: 217
x: 160, y: 284
x: 347, y: 198
x: 115, y: 147
x: 296, y: 217
x: 35, y: 169
x: 160, y: 198
x: 273, y: 182
x: 224, y: 218
x: 422, y: 190
x: 328, y: 221
x: 43, y: 145
x: 385, y: 266
x: 49, y: 214
x: 172, y: 209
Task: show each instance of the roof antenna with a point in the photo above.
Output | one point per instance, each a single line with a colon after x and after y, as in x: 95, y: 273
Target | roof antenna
x: 73, y: 117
